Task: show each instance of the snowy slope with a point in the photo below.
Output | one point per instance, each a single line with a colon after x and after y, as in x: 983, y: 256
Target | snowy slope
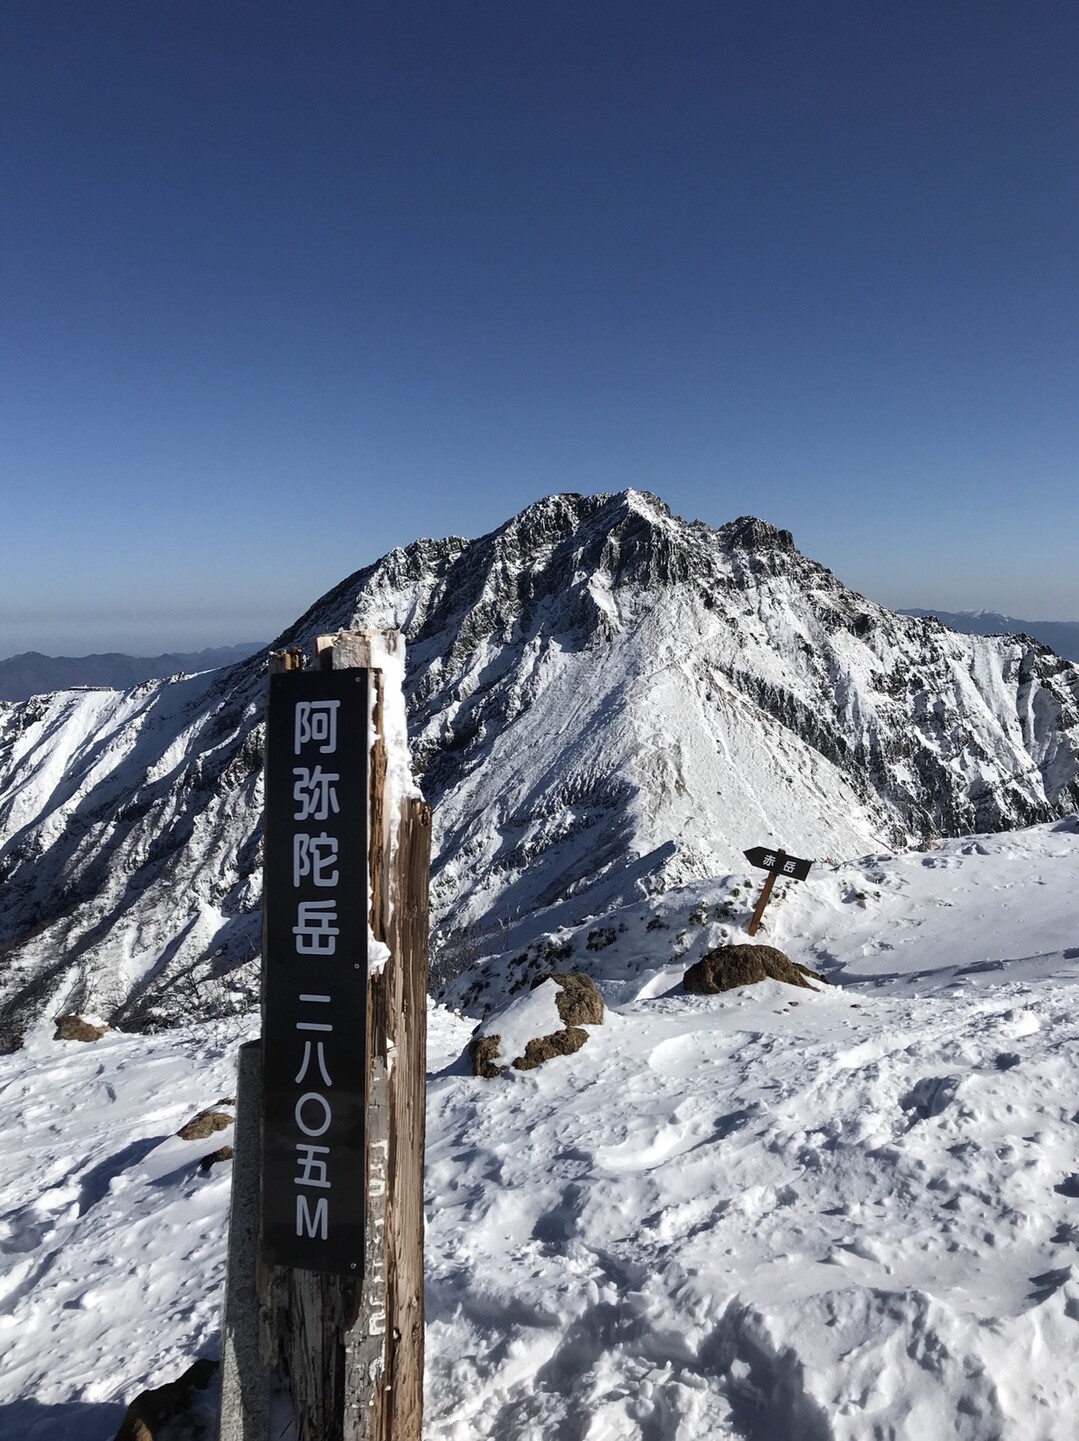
x: 1060, y: 635
x: 605, y: 701
x: 769, y: 1214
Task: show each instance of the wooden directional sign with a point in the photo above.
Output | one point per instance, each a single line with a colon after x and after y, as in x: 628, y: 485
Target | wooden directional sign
x: 790, y: 867
x: 776, y: 863
x: 315, y: 972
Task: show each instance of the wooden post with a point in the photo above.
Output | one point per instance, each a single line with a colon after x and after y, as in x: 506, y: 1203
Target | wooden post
x: 245, y: 1378
x: 765, y: 895
x: 348, y: 1353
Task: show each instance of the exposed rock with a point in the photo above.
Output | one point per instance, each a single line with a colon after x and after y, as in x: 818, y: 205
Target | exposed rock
x: 204, y: 1124
x: 482, y: 1051
x: 562, y: 1043
x: 168, y: 1413
x: 579, y: 1001
x: 528, y: 1032
x: 223, y: 1153
x: 74, y: 1028
x: 601, y: 938
x: 754, y: 534
x: 726, y: 967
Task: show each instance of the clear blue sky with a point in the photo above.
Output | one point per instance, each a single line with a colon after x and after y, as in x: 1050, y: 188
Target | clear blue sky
x: 287, y: 284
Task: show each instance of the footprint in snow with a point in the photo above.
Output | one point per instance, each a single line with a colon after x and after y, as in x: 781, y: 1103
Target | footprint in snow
x: 733, y: 1121
x: 929, y: 1097
x: 682, y: 1055
x: 1015, y: 1023
x: 654, y: 1144
x: 559, y: 1224
x: 24, y: 1230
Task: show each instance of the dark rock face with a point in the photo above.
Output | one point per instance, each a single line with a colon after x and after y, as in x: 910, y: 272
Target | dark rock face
x: 204, y: 1124
x: 752, y: 534
x: 579, y: 1004
x: 543, y: 1048
x: 74, y: 1028
x: 214, y: 1158
x: 579, y: 1001
x: 727, y: 967
x: 170, y: 1410
x: 482, y: 1051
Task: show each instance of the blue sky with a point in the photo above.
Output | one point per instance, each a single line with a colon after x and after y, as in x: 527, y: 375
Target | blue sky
x: 288, y: 284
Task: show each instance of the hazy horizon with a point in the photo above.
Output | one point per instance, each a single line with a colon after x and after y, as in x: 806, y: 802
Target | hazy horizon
x: 68, y: 635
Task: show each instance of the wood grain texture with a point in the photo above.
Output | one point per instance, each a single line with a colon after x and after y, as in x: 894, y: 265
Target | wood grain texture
x: 408, y: 1105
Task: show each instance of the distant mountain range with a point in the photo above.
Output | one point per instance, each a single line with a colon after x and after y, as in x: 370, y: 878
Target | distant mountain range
x: 605, y: 702
x: 1059, y: 635
x: 32, y: 673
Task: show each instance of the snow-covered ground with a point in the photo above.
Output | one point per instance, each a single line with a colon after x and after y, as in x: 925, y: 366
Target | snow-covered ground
x: 774, y: 1213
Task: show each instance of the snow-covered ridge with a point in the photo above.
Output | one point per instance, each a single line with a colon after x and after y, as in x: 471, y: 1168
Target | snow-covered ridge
x: 1060, y: 635
x: 604, y: 701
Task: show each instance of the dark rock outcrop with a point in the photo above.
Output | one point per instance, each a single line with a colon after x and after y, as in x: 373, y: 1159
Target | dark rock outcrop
x: 579, y: 1004
x: 727, y: 967
x: 579, y: 1001
x: 205, y: 1124
x: 482, y: 1052
x: 74, y: 1028
x: 544, y: 1048
x: 213, y: 1158
x: 171, y: 1411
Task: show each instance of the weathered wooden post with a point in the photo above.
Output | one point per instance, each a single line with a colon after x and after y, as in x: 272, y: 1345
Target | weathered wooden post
x: 339, y: 1279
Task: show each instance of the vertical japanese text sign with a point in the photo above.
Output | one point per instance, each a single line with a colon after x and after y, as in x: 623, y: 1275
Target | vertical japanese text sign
x: 315, y: 971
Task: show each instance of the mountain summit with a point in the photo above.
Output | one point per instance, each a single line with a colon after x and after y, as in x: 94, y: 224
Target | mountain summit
x: 604, y: 700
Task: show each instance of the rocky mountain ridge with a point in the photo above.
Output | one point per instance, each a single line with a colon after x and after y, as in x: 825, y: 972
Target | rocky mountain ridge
x: 604, y: 701
x: 1060, y: 635
x: 31, y: 673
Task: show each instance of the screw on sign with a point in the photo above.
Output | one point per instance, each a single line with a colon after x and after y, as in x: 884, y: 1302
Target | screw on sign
x: 777, y: 863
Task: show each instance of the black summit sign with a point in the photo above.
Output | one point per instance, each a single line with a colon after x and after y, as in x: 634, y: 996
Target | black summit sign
x: 791, y: 867
x: 315, y: 971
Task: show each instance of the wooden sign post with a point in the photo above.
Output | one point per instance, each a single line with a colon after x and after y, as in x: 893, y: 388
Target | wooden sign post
x: 334, y: 1265
x: 776, y: 863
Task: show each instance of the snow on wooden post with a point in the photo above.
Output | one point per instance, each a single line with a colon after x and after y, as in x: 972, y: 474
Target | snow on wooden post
x: 345, y: 1342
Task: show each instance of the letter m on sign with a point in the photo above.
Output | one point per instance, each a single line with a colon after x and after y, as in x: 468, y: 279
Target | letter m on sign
x: 314, y: 1226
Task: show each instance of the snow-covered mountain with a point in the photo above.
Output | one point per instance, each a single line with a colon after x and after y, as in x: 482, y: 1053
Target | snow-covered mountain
x: 605, y: 701
x: 31, y: 673
x: 1060, y: 635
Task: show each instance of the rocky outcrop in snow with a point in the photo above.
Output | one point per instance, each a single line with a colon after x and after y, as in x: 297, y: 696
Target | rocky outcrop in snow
x: 604, y: 701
